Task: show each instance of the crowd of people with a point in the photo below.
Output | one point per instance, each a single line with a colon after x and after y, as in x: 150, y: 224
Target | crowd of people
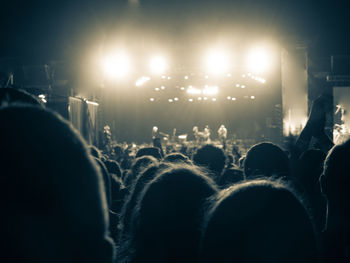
x: 65, y: 201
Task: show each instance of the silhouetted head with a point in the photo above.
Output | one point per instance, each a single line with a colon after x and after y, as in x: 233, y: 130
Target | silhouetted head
x: 257, y: 221
x: 118, y: 192
x: 128, y: 207
x: 151, y: 151
x: 266, y: 159
x: 106, y: 181
x: 10, y: 96
x: 176, y: 158
x: 335, y: 180
x: 95, y: 152
x: 139, y: 165
x: 310, y: 168
x: 211, y: 157
x: 113, y: 167
x: 167, y: 218
x: 230, y: 161
x: 51, y: 192
x: 230, y: 176
x: 118, y: 151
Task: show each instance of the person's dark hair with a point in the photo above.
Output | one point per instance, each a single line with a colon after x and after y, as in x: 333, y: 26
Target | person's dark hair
x: 335, y: 184
x: 230, y: 161
x: 210, y: 157
x: 113, y: 167
x: 230, y: 176
x: 310, y: 167
x: 106, y: 181
x: 51, y: 191
x: 335, y: 178
x: 257, y: 221
x: 139, y: 164
x: 130, y: 202
x: 177, y: 157
x: 118, y: 193
x: 118, y: 152
x: 10, y: 96
x: 151, y: 151
x: 126, y: 162
x: 166, y: 220
x: 266, y: 159
x: 95, y: 152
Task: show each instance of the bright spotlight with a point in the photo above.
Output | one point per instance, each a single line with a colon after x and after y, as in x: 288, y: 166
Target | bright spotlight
x: 233, y: 99
x: 176, y: 99
x: 210, y: 90
x: 158, y: 65
x: 213, y: 99
x: 190, y: 100
x: 142, y: 81
x: 205, y: 98
x: 258, y: 61
x: 228, y: 97
x: 259, y: 79
x: 252, y: 97
x: 151, y: 99
x: 170, y: 100
x: 186, y: 77
x: 217, y: 62
x: 192, y: 90
x: 116, y: 65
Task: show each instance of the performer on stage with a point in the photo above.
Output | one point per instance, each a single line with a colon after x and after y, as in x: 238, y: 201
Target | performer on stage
x: 107, y: 139
x: 155, y: 133
x: 206, y: 133
x: 201, y: 136
x: 157, y: 137
x: 195, y: 134
x: 222, y: 133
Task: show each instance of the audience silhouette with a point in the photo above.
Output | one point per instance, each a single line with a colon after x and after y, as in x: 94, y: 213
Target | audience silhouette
x: 266, y: 159
x: 64, y: 201
x: 257, y: 221
x: 52, y: 194
x: 166, y: 220
x: 335, y: 184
